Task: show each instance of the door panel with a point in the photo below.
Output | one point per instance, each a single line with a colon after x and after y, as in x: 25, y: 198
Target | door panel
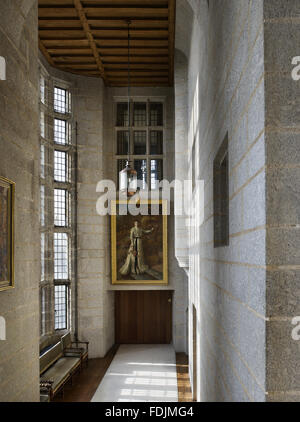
x: 143, y: 317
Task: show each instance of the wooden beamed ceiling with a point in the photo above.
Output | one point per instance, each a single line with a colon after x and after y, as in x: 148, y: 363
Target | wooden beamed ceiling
x: 90, y: 37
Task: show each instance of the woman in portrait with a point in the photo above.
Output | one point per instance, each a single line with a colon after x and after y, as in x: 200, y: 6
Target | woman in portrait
x: 135, y: 262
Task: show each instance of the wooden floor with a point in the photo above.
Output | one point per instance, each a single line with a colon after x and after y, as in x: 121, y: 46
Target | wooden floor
x: 86, y: 383
x: 183, y: 381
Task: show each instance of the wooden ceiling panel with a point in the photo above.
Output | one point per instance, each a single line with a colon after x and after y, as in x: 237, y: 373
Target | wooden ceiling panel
x: 126, y: 12
x: 70, y: 52
x: 134, y: 43
x: 73, y: 43
x: 137, y: 59
x: 90, y: 37
x: 126, y: 3
x: 135, y: 23
x: 156, y: 52
x: 134, y: 34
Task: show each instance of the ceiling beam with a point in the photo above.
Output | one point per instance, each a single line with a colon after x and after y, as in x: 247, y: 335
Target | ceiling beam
x: 137, y: 73
x: 77, y: 66
x: 74, y: 59
x: 87, y: 30
x: 134, y: 51
x: 46, y: 53
x: 97, y: 23
x: 125, y: 3
x: 172, y: 11
x: 57, y: 12
x: 65, y: 3
x: 70, y: 52
x: 133, y: 43
x: 89, y: 37
x: 66, y: 43
x: 104, y: 34
x: 135, y: 66
x: 57, y: 23
x: 140, y: 59
x: 126, y: 12
x: 54, y: 23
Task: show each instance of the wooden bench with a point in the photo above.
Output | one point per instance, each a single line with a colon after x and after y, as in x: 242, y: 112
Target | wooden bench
x: 59, y: 364
x: 70, y: 346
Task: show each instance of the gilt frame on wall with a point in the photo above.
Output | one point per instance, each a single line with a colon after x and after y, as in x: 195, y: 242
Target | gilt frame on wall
x: 7, y: 194
x: 139, y: 245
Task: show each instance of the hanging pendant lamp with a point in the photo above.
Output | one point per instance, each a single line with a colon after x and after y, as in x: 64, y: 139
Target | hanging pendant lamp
x: 128, y: 176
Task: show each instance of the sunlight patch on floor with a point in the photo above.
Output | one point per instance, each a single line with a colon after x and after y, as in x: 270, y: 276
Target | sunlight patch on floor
x: 140, y: 373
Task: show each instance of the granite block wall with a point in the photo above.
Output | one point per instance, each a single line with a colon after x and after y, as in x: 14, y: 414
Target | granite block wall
x: 282, y: 31
x: 225, y: 94
x: 19, y: 152
x: 96, y: 302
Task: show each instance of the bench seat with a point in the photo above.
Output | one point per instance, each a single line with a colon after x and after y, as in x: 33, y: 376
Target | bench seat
x: 58, y: 364
x: 60, y: 372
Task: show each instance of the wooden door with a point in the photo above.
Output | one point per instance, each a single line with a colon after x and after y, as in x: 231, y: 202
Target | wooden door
x: 143, y: 317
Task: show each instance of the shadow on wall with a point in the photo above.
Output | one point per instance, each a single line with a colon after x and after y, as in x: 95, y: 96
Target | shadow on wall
x: 184, y: 23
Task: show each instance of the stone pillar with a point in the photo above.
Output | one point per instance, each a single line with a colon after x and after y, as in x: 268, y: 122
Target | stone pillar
x: 95, y: 303
x: 282, y: 34
x: 181, y: 157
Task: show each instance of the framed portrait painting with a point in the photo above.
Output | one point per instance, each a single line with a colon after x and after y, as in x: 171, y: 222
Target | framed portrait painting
x: 139, y: 244
x: 7, y: 191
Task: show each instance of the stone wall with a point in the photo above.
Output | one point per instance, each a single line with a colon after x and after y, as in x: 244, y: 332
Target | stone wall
x: 19, y: 152
x: 96, y: 303
x: 282, y: 31
x: 225, y: 94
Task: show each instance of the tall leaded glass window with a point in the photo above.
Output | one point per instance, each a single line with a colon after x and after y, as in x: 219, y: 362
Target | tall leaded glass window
x: 42, y: 89
x: 60, y: 207
x: 146, y: 144
x: 61, y: 132
x: 156, y: 114
x: 61, y: 256
x: 60, y: 166
x: 122, y: 114
x: 140, y: 114
x: 56, y: 205
x: 61, y: 307
x: 62, y: 100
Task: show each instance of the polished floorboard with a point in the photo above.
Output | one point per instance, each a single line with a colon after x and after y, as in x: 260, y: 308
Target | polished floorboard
x: 183, y: 380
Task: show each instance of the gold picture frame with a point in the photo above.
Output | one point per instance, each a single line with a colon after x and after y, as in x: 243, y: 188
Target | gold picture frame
x: 121, y: 230
x: 7, y: 198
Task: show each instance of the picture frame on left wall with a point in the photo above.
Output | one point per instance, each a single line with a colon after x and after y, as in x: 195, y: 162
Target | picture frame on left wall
x: 7, y: 198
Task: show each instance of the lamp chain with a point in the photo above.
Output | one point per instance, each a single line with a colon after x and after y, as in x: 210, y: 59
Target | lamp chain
x: 129, y: 132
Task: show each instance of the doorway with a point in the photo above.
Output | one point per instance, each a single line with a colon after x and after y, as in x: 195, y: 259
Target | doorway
x: 143, y: 317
